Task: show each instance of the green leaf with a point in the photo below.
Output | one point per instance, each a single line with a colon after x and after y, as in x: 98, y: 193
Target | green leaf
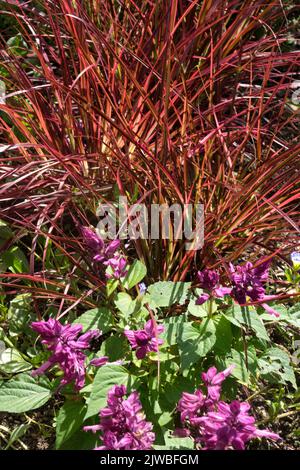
x: 201, y: 311
x: 22, y: 394
x: 167, y: 293
x: 176, y: 443
x: 125, y: 304
x: 223, y: 334
x: 80, y: 440
x: 19, y: 314
x: 250, y: 319
x: 5, y: 231
x: 115, y: 347
x: 196, y: 342
x: 275, y: 366
x: 136, y: 273
x: 111, y: 286
x: 96, y: 318
x: 11, y: 361
x: 106, y: 377
x: 15, y: 260
x: 16, y: 434
x: 240, y: 370
x: 173, y: 328
x: 69, y: 419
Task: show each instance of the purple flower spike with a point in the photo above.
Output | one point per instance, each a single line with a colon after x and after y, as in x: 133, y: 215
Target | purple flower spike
x: 100, y: 250
x: 213, y: 381
x: 118, y: 265
x: 190, y: 404
x: 209, y: 281
x: 214, y: 424
x: 230, y: 427
x: 144, y: 341
x: 66, y: 346
x: 248, y: 281
x: 122, y: 423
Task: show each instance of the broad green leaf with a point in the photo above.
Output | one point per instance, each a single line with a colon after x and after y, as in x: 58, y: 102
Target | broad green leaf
x: 96, y: 318
x: 11, y: 361
x: 125, y: 304
x: 223, y: 334
x: 240, y: 371
x: 19, y: 314
x: 201, y: 311
x: 195, y: 343
x: 69, y: 419
x: 176, y: 443
x: 136, y: 274
x: 106, y: 377
x: 15, y: 260
x: 173, y: 328
x: 115, y: 347
x: 275, y: 366
x: 167, y: 293
x: 80, y: 440
x: 238, y: 359
x: 22, y: 394
x: 249, y: 319
x: 111, y: 286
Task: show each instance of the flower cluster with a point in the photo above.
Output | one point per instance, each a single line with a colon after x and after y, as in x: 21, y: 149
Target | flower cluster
x: 146, y: 340
x: 209, y: 281
x: 214, y: 424
x: 105, y: 253
x: 67, y: 349
x: 247, y: 281
x: 122, y: 423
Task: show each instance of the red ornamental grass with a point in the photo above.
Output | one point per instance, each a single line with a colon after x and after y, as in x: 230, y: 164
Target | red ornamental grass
x: 170, y: 101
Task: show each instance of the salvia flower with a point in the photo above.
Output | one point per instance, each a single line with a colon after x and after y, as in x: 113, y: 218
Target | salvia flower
x: 248, y: 281
x: 101, y: 250
x: 122, y: 423
x: 214, y: 424
x: 209, y: 281
x: 146, y: 340
x: 118, y: 265
x: 230, y: 427
x: 213, y: 381
x: 66, y: 344
x: 99, y: 361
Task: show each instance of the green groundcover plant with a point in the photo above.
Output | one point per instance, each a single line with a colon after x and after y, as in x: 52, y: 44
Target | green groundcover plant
x: 153, y: 366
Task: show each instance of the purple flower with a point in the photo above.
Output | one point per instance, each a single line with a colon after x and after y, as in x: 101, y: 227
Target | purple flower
x: 229, y: 427
x: 209, y: 280
x: 118, y: 265
x: 145, y: 340
x: 190, y: 404
x: 295, y: 257
x: 122, y: 423
x: 248, y: 281
x: 99, y: 361
x: 214, y: 424
x: 142, y: 288
x: 101, y: 250
x: 213, y: 381
x: 66, y: 346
